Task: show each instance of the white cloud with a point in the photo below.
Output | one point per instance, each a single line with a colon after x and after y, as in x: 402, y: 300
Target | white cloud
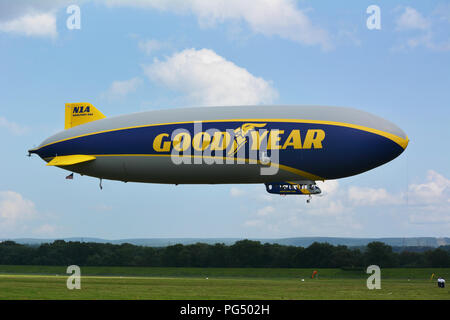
x: 434, y: 193
x: 427, y: 202
x: 428, y: 42
x: 14, y: 208
x: 348, y: 211
x: 236, y: 192
x: 268, y: 210
x: 443, y: 12
x: 280, y: 18
x: 33, y: 24
x: 31, y: 17
x: 427, y: 30
x: 254, y: 223
x: 45, y: 230
x: 411, y: 19
x: 268, y: 17
x: 122, y: 88
x: 328, y: 187
x: 427, y: 217
x: 436, y: 190
x: 150, y: 46
x: 335, y: 208
x: 349, y: 36
x: 424, y: 40
x: 206, y: 78
x: 361, y: 196
x: 291, y: 215
x: 12, y: 127
x: 10, y: 10
x: 19, y: 217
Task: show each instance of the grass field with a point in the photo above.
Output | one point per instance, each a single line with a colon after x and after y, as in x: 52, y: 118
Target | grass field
x: 43, y: 282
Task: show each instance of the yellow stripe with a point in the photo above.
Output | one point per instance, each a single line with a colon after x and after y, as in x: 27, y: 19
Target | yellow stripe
x: 400, y: 141
x: 301, y: 173
x: 70, y: 160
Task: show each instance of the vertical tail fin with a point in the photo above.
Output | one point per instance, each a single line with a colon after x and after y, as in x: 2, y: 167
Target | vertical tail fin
x: 80, y: 113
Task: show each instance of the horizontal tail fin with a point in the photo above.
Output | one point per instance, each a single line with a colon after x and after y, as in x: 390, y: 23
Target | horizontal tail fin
x: 80, y: 113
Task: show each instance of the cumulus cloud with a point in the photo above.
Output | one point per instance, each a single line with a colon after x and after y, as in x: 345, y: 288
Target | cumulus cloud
x: 254, y: 223
x: 10, y: 10
x: 45, y: 230
x: 328, y: 187
x: 38, y: 24
x: 291, y: 215
x: 425, y: 31
x: 436, y: 190
x: 150, y: 46
x: 19, y: 217
x: 427, y: 217
x: 206, y: 78
x: 12, y: 127
x: 122, y: 88
x: 347, y: 210
x: 442, y: 11
x: 268, y: 17
x: 280, y: 18
x: 363, y: 196
x: 411, y: 19
x: 236, y: 192
x: 14, y: 208
x: 31, y: 18
x: 427, y: 41
x: 268, y: 210
x: 427, y: 202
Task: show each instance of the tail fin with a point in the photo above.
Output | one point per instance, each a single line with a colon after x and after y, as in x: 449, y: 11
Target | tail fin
x: 80, y: 113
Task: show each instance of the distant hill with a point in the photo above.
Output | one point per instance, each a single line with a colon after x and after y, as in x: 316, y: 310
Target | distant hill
x: 298, y: 241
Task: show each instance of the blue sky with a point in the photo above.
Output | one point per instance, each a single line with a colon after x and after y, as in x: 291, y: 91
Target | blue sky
x: 137, y: 55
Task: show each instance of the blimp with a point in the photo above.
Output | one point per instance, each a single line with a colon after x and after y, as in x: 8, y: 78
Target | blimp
x: 288, y: 148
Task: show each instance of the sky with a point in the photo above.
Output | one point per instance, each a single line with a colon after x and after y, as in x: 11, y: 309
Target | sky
x: 137, y: 55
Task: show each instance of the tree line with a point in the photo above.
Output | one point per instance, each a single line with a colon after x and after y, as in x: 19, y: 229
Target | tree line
x: 244, y: 253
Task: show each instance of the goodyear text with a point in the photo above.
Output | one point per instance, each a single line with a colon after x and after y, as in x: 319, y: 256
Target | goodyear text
x: 233, y: 140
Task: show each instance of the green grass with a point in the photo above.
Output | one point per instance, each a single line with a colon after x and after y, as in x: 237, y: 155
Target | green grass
x: 43, y: 282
